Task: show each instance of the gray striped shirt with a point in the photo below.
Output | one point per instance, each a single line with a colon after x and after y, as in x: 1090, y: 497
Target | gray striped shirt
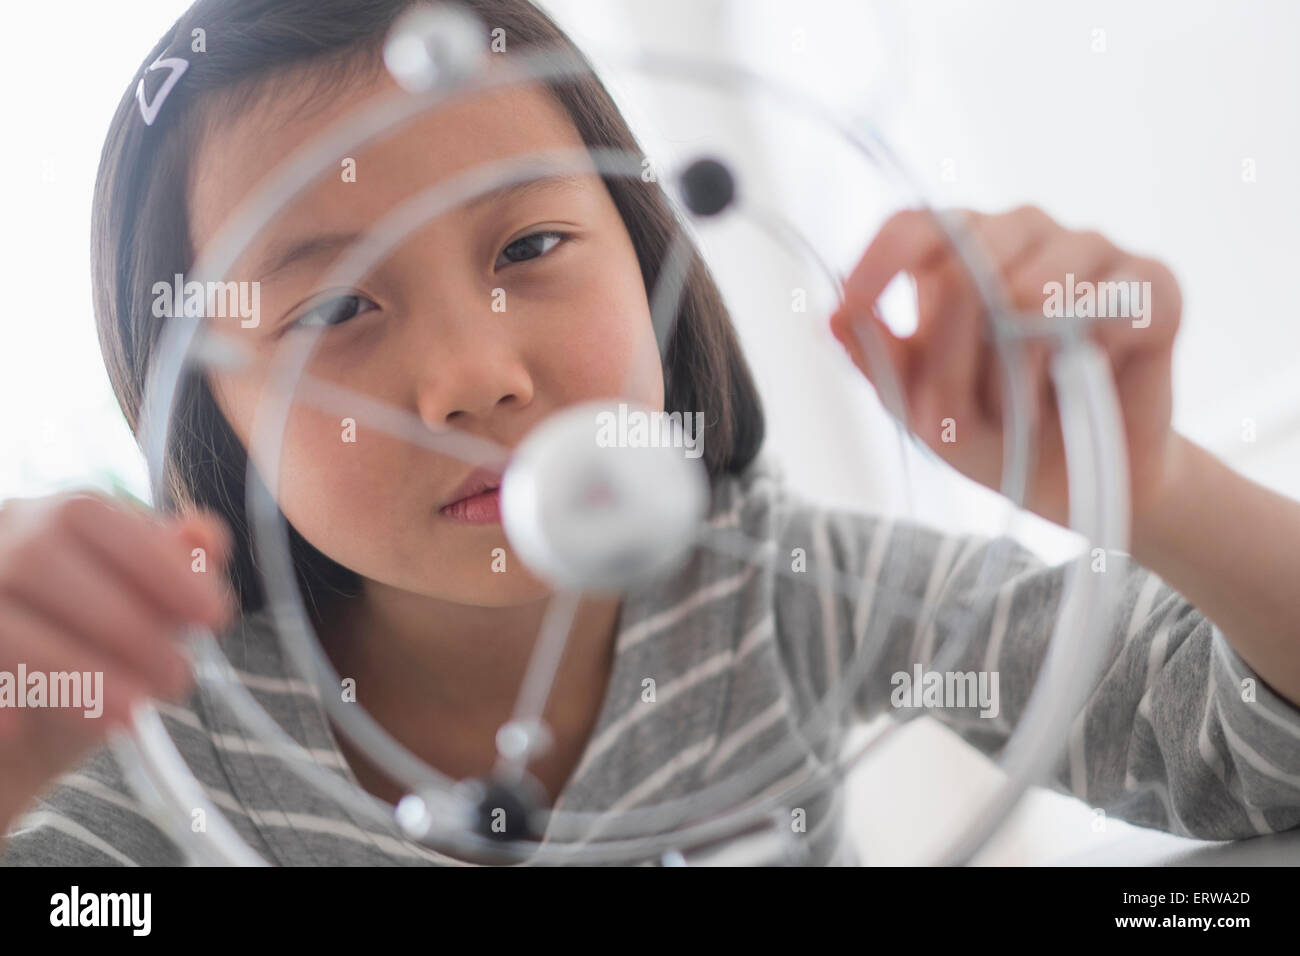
x: 738, y: 648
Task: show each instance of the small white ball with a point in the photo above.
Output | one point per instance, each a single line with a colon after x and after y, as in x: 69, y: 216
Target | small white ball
x: 412, y: 815
x: 519, y: 740
x: 431, y: 45
x: 588, y: 515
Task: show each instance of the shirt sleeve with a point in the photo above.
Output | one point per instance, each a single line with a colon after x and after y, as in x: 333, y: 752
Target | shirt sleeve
x: 1178, y: 732
x: 89, y: 817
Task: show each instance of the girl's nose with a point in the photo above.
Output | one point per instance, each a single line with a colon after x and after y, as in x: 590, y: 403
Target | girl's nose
x: 472, y: 383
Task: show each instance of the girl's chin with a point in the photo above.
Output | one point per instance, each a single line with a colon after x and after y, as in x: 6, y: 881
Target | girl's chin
x: 507, y: 588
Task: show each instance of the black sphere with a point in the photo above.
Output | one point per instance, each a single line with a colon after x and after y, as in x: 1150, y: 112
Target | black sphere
x: 708, y: 187
x: 505, y: 811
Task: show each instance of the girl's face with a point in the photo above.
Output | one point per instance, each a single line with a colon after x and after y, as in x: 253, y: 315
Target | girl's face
x: 420, y: 332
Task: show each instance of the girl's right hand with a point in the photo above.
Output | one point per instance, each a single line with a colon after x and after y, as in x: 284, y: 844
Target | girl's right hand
x: 93, y: 584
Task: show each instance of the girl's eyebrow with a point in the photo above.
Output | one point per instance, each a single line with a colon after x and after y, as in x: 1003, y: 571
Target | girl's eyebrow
x: 297, y: 251
x: 293, y: 252
x: 558, y: 182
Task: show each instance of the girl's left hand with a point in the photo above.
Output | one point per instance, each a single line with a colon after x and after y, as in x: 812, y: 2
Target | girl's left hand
x: 948, y: 369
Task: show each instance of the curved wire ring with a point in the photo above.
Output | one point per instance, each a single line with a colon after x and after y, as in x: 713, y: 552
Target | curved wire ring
x: 369, y: 130
x: 271, y: 538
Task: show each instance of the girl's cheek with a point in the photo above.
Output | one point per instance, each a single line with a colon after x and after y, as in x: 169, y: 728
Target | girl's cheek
x: 646, y: 383
x: 332, y: 470
x: 638, y: 373
x: 608, y: 344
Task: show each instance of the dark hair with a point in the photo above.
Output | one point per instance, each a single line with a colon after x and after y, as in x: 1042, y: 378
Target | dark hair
x: 140, y: 233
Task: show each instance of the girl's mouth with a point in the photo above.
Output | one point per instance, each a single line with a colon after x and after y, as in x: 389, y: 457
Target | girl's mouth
x: 482, y: 508
x: 475, y: 500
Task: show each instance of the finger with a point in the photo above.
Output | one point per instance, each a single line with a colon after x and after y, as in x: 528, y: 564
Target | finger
x: 156, y: 561
x: 883, y: 357
x: 1007, y: 239
x: 915, y: 239
x: 1084, y: 256
x: 952, y: 321
x: 950, y: 312
x: 106, y: 610
x: 29, y: 638
x: 10, y: 724
x: 206, y: 530
x: 203, y: 530
x: 1081, y: 255
x: 1011, y: 237
x: 908, y: 241
x: 868, y: 340
x: 1149, y: 311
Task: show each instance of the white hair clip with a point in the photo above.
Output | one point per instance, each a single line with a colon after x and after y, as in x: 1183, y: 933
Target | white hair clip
x: 178, y: 66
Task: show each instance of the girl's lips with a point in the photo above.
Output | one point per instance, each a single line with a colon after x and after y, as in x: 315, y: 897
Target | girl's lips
x: 483, y: 508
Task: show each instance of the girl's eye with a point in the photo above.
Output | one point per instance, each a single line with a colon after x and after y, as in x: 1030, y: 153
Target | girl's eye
x: 529, y: 247
x: 336, y: 311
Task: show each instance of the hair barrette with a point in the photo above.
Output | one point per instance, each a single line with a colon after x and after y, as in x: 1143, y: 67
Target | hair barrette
x: 178, y: 66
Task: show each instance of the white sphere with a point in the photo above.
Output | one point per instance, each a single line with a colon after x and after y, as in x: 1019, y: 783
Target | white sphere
x: 590, y: 514
x: 428, y: 45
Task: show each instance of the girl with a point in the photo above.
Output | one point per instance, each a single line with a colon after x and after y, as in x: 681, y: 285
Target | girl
x: 392, y: 545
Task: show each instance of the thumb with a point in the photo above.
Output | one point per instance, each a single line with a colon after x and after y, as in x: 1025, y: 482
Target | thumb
x: 203, y: 529
x: 879, y: 354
